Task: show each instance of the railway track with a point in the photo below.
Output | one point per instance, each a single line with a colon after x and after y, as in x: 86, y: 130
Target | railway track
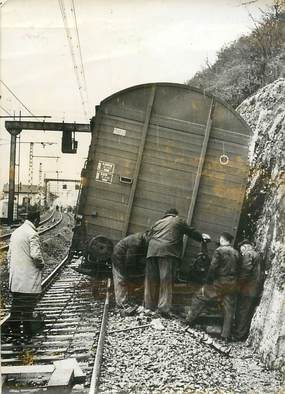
x: 75, y: 310
x: 76, y: 317
x: 8, y: 235
x: 78, y: 325
x: 40, y: 231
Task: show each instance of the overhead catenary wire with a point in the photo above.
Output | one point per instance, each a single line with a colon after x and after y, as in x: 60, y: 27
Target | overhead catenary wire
x: 73, y: 10
x: 77, y: 65
x: 19, y: 166
x: 2, y: 3
x: 5, y: 110
x: 17, y: 98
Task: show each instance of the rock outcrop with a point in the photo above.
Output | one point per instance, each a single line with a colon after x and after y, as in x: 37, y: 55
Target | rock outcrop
x: 264, y: 216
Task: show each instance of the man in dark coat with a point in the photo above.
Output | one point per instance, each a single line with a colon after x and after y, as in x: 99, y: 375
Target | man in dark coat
x: 164, y: 251
x: 220, y: 285
x: 128, y: 253
x: 251, y: 276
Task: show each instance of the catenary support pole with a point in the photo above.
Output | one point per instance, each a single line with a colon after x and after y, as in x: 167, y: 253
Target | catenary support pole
x: 13, y: 134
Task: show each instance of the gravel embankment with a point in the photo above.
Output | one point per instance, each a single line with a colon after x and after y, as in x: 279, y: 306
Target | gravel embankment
x: 55, y: 246
x: 172, y: 361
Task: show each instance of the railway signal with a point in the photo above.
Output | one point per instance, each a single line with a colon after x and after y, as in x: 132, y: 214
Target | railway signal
x: 14, y: 128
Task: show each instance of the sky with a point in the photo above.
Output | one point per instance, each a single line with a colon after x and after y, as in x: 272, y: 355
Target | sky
x: 123, y: 43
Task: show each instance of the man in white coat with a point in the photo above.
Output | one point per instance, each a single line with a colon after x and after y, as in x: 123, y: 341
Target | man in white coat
x: 25, y: 262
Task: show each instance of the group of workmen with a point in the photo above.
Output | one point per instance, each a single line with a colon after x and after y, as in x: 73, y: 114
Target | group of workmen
x: 234, y: 279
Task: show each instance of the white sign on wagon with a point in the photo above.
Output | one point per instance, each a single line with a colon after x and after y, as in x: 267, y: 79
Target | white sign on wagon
x: 118, y: 131
x: 105, y: 172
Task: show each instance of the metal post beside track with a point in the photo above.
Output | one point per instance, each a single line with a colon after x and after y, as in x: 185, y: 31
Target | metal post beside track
x: 99, y: 352
x: 13, y: 134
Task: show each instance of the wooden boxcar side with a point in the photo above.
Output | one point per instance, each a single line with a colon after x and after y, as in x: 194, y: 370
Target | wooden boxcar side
x: 158, y: 146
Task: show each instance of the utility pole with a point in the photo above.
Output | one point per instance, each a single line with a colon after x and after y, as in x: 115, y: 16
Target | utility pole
x: 41, y: 188
x: 41, y: 166
x: 40, y: 182
x: 54, y: 179
x: 31, y: 158
x: 40, y: 175
x: 19, y: 161
x: 30, y: 181
x: 57, y: 185
x: 13, y: 133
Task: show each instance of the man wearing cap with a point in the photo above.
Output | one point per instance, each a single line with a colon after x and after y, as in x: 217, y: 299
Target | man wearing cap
x: 250, y: 282
x: 220, y: 285
x: 25, y: 263
x: 164, y: 251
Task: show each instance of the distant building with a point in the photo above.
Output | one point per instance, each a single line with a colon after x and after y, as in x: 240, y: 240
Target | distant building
x: 28, y: 194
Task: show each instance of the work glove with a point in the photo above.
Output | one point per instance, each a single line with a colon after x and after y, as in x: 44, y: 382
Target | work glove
x: 206, y: 237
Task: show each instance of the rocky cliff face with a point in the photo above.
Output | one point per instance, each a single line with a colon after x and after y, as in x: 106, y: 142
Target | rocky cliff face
x: 264, y: 215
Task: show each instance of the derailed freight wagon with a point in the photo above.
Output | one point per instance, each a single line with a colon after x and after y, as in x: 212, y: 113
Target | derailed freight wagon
x: 157, y: 146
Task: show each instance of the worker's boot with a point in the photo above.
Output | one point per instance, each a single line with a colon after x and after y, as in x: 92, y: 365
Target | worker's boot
x: 166, y: 314
x: 128, y: 310
x: 190, y: 319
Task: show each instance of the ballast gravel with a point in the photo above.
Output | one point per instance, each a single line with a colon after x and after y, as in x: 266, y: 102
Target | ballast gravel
x: 170, y: 360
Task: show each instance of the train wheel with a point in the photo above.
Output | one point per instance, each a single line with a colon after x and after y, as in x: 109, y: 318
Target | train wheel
x: 100, y: 248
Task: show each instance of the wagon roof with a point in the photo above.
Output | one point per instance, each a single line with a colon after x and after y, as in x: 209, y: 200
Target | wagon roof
x: 180, y: 86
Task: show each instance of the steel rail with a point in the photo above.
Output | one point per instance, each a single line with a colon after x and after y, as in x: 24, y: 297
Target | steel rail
x: 5, y: 247
x: 47, y: 219
x: 52, y: 226
x: 94, y: 382
x: 45, y: 283
x: 100, y: 348
x: 8, y: 235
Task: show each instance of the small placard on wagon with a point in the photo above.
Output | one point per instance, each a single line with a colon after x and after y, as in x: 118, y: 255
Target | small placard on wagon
x: 105, y: 172
x: 121, y: 132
